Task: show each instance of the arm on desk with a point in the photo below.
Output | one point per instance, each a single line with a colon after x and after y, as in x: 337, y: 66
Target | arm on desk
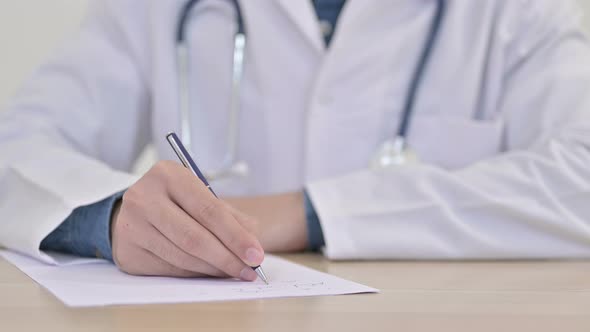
x: 529, y: 202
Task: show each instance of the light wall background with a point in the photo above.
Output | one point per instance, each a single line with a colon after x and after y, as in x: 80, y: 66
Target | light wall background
x: 31, y: 29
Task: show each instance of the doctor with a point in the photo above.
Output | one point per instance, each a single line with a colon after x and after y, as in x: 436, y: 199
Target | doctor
x: 490, y: 100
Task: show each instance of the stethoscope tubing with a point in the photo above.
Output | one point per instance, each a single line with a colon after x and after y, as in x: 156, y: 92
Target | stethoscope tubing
x: 400, y: 138
x: 420, y: 71
x: 184, y: 19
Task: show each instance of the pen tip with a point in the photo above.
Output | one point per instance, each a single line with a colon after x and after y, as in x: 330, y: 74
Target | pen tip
x: 261, y: 274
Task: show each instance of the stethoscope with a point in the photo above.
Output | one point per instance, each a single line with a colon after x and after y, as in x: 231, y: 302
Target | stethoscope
x: 392, y: 153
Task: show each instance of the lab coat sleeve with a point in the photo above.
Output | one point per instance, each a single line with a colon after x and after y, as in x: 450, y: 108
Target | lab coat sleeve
x: 530, y: 202
x: 71, y: 134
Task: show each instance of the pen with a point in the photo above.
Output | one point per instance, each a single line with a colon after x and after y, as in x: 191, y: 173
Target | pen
x: 188, y: 162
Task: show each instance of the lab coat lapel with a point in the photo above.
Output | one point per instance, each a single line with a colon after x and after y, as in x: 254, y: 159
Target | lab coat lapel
x: 353, y: 9
x: 354, y: 13
x: 303, y: 16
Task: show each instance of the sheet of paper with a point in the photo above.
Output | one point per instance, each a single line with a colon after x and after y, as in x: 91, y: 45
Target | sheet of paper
x: 98, y: 283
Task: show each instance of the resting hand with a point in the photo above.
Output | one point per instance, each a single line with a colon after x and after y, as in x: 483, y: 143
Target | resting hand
x: 169, y: 224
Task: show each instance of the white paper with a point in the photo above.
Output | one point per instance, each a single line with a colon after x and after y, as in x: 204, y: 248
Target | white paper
x: 98, y: 283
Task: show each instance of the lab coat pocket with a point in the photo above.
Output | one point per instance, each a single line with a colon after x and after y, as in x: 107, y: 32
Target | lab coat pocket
x: 454, y: 143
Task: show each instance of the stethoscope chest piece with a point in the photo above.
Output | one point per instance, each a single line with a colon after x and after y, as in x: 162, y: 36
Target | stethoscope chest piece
x: 393, y: 153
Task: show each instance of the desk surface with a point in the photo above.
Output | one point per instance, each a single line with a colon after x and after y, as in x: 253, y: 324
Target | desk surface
x: 429, y: 296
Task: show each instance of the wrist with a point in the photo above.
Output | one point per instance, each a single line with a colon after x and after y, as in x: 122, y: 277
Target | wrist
x: 281, y: 220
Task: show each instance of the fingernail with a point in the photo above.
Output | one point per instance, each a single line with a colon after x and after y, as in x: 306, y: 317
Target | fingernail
x: 248, y: 274
x: 254, y: 256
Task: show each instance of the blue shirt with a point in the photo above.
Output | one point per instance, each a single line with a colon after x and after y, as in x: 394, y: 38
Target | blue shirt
x: 328, y: 12
x: 86, y: 232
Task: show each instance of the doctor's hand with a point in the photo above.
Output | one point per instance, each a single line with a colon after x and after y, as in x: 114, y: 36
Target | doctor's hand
x: 169, y: 224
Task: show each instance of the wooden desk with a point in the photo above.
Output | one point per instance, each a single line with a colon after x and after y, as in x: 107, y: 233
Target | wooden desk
x: 514, y: 296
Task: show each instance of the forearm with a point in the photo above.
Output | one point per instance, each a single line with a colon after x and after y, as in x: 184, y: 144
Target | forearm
x: 526, y: 204
x: 282, y: 225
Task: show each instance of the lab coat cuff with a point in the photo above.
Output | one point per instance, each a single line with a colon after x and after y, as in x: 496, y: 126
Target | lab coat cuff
x: 334, y: 237
x: 43, y: 197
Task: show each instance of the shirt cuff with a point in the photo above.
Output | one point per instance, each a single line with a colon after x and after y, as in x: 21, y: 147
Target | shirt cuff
x: 315, y: 235
x: 86, y: 232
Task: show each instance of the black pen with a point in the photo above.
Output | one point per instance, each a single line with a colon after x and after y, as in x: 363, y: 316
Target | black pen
x: 188, y: 162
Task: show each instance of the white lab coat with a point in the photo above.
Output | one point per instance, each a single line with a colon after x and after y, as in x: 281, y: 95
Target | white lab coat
x: 502, y: 122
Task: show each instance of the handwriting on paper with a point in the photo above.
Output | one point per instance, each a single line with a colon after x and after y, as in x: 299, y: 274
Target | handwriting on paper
x: 97, y: 283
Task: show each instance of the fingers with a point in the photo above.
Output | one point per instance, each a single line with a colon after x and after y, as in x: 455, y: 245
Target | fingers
x: 169, y: 224
x: 213, y: 215
x: 248, y: 222
x: 156, y: 243
x: 195, y: 240
x: 141, y: 262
